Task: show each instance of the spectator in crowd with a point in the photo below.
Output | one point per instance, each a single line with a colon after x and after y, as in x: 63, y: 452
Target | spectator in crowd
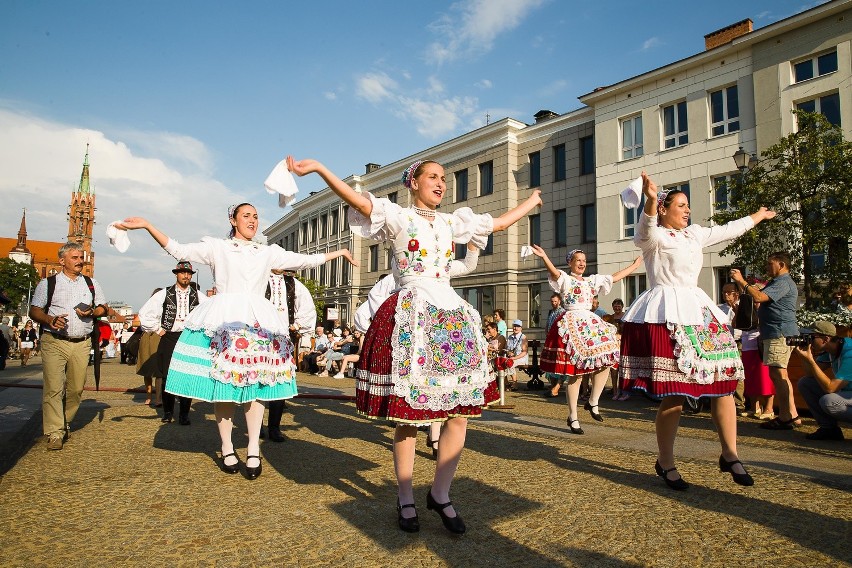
x: 731, y: 297
x: 757, y: 386
x: 555, y: 312
x: 597, y: 309
x: 844, y: 299
x: 827, y: 390
x: 66, y: 305
x: 516, y: 349
x: 615, y: 319
x: 777, y: 313
x: 28, y: 340
x: 500, y: 320
x: 321, y: 344
x: 148, y: 364
x: 7, y: 339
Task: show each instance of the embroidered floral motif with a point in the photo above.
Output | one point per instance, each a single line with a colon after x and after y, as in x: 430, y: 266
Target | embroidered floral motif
x: 416, y: 254
x: 246, y: 355
x: 706, y: 352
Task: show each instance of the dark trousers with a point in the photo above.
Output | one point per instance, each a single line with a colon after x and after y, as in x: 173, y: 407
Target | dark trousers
x: 164, y: 353
x: 276, y: 411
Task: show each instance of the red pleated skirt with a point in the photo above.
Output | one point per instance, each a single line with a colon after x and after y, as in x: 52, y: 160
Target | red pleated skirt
x: 374, y: 392
x: 649, y: 365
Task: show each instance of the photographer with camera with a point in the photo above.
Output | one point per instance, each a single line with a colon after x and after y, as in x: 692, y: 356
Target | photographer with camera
x: 827, y: 389
x: 777, y: 314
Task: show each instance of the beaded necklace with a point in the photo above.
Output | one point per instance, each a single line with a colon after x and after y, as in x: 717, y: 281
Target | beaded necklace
x: 426, y: 213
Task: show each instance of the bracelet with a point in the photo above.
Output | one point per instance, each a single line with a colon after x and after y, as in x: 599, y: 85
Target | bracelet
x: 746, y: 287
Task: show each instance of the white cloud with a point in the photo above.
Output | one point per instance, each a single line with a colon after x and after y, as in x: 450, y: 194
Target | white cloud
x: 330, y: 95
x: 651, y: 43
x: 484, y: 84
x: 169, y: 182
x: 472, y: 26
x: 374, y: 87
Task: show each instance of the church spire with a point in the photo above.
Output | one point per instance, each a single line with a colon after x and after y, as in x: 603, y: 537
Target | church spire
x: 21, y: 253
x: 84, y: 186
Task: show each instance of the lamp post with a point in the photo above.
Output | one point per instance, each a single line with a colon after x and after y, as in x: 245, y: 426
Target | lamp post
x: 741, y: 159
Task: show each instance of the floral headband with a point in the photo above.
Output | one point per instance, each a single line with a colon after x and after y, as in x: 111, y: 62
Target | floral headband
x: 570, y: 255
x: 661, y: 195
x: 408, y: 174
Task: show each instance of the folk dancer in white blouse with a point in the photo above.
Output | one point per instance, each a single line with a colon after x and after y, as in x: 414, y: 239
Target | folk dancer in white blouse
x: 235, y: 349
x: 675, y: 342
x: 424, y: 357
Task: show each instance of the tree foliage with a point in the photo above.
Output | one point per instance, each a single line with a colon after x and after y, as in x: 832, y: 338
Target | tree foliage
x: 317, y: 291
x: 17, y: 280
x: 807, y: 179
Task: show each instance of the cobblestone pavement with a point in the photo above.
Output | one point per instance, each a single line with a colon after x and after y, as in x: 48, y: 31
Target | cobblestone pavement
x: 129, y: 490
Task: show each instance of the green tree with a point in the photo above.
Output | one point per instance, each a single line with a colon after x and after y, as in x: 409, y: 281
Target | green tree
x: 317, y: 291
x: 17, y: 280
x: 807, y: 179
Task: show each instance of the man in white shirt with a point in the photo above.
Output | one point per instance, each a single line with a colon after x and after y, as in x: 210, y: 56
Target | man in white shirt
x: 165, y: 313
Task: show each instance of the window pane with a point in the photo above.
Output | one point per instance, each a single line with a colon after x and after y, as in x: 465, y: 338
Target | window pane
x: 535, y: 169
x: 733, y: 126
x: 559, y: 162
x: 807, y: 106
x: 589, y: 223
x: 489, y: 247
x: 560, y: 228
x: 535, y: 229
x: 717, y: 110
x: 830, y: 108
x: 733, y: 103
x: 587, y: 155
x: 804, y: 70
x: 669, y: 121
x: 827, y: 63
x: 681, y: 117
x: 486, y: 178
x: 637, y: 123
x: 461, y: 185
x: 627, y: 134
x: 461, y: 251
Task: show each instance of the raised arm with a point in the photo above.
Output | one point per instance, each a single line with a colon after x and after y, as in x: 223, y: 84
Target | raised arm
x: 649, y: 188
x: 551, y: 269
x: 762, y: 214
x: 132, y: 223
x: 512, y: 216
x: 346, y: 193
x: 627, y: 271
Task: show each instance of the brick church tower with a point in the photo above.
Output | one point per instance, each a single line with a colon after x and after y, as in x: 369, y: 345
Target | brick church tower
x: 81, y: 217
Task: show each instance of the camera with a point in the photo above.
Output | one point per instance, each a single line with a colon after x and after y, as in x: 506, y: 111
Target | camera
x: 801, y: 341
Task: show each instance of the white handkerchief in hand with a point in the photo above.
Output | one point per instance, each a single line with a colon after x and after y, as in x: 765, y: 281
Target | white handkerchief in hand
x: 631, y: 197
x: 526, y: 251
x: 118, y: 237
x: 282, y: 182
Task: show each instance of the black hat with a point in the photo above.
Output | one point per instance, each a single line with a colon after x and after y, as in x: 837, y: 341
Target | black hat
x: 184, y: 266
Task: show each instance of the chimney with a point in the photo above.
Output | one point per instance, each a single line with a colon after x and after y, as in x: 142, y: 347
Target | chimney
x: 370, y: 168
x: 543, y: 115
x: 727, y: 34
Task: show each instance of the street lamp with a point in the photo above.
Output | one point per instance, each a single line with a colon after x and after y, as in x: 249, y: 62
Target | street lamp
x: 741, y: 159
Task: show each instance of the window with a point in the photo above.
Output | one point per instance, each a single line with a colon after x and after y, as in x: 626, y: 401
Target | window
x: 461, y: 185
x: 304, y: 235
x: 345, y: 217
x: 332, y: 273
x: 631, y: 137
x: 489, y: 246
x: 822, y: 64
x: 634, y: 285
x: 374, y: 258
x: 486, y: 178
x: 534, y: 303
x: 323, y: 226
x: 480, y: 298
x: 674, y: 125
x: 722, y: 192
x: 828, y: 106
x: 587, y: 155
x: 535, y: 230
x: 560, y: 228
x: 461, y: 251
x: 333, y: 223
x: 631, y: 218
x: 392, y: 197
x: 344, y: 271
x: 559, y: 166
x: 285, y: 243
x: 313, y: 235
x: 589, y: 229
x: 724, y: 111
x: 322, y: 271
x: 389, y: 259
x: 535, y: 169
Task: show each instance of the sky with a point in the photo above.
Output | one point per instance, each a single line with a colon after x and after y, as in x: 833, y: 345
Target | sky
x: 187, y: 106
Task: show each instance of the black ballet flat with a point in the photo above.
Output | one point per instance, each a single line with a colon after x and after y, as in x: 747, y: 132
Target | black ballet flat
x: 167, y: 417
x: 677, y: 484
x: 253, y: 472
x: 739, y: 478
x: 233, y: 468
x: 595, y: 414
x: 410, y: 525
x: 576, y: 430
x: 453, y: 524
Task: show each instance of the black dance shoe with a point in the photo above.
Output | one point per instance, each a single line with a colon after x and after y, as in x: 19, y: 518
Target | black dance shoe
x: 410, y: 525
x: 592, y: 410
x: 576, y: 430
x: 183, y: 420
x: 677, y: 484
x: 233, y: 468
x: 453, y: 524
x: 275, y: 435
x: 167, y: 417
x: 739, y: 478
x: 253, y: 472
